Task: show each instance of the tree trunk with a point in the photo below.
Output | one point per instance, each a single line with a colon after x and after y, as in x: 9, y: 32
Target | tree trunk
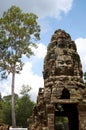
x: 12, y: 99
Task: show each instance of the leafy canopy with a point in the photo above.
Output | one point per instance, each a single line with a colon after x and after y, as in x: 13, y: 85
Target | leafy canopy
x: 18, y: 32
x: 23, y: 107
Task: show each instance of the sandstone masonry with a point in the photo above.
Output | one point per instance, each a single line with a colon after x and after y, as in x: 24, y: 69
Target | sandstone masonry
x: 63, y: 94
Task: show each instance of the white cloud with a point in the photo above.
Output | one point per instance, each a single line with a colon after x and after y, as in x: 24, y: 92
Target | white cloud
x: 43, y: 8
x: 40, y: 52
x: 81, y: 48
x: 27, y: 76
x: 51, y: 8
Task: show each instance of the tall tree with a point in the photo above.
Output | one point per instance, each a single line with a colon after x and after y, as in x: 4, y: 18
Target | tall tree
x: 18, y: 32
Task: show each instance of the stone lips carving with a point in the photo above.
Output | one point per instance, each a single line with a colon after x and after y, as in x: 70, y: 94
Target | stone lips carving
x: 63, y: 82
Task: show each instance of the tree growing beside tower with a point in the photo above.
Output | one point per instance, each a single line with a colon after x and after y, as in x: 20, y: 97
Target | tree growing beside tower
x: 18, y: 33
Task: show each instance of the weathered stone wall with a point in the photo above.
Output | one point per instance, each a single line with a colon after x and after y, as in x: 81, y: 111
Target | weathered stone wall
x: 63, y: 86
x: 82, y: 116
x: 82, y: 119
x: 62, y: 68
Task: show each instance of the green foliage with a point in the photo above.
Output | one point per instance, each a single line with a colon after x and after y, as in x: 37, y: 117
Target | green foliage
x: 1, y: 112
x: 23, y: 108
x: 7, y: 112
x: 8, y: 97
x: 18, y: 32
x: 6, y: 107
x: 25, y: 90
x: 61, y: 122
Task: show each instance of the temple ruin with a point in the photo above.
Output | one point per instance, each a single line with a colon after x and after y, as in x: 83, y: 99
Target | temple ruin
x: 63, y: 95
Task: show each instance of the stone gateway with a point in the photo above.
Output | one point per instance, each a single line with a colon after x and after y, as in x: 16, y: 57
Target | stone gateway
x: 63, y: 96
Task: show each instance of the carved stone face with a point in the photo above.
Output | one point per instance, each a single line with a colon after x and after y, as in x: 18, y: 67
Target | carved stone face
x: 64, y: 62
x: 64, y: 65
x: 62, y: 57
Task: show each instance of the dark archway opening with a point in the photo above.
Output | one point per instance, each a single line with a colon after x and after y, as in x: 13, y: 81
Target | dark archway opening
x: 67, y: 111
x: 70, y: 112
x: 65, y: 94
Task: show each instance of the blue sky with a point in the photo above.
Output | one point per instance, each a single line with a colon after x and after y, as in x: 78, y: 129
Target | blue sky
x: 68, y: 15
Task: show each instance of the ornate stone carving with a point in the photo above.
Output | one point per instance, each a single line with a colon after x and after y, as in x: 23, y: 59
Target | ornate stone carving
x: 63, y: 83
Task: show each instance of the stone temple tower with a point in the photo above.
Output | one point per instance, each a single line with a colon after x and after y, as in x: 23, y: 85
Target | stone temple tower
x: 63, y: 94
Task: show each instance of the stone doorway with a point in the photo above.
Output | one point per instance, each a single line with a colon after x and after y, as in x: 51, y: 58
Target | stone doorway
x: 64, y: 93
x: 68, y: 112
